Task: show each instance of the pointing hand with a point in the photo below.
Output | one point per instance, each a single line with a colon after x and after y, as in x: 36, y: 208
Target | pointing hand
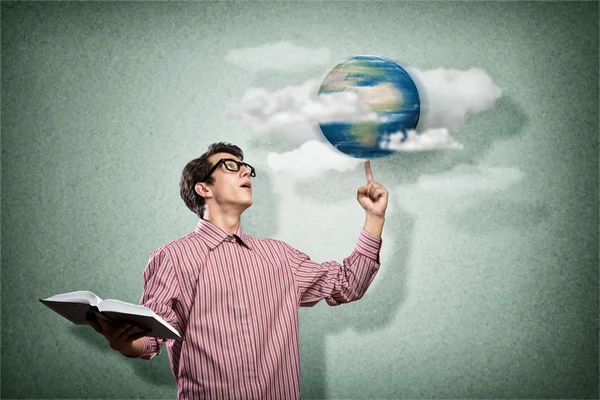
x: 373, y: 197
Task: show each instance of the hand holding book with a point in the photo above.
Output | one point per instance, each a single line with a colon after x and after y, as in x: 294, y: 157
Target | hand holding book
x: 120, y: 337
x: 117, y: 320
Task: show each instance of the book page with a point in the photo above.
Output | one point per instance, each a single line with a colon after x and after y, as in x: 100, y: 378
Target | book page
x: 80, y: 296
x: 123, y: 307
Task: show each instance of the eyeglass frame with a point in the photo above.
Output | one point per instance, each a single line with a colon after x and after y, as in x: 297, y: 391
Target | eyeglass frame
x: 223, y: 161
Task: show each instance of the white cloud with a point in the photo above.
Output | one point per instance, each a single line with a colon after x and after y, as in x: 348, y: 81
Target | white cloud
x: 418, y: 141
x: 449, y: 95
x: 266, y: 112
x: 311, y: 160
x: 292, y: 114
x: 280, y: 56
x: 465, y: 180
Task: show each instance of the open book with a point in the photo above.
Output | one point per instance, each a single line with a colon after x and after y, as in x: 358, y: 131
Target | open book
x: 75, y: 306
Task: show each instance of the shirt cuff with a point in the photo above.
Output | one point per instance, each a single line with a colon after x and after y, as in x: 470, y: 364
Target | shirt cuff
x: 150, y: 349
x: 369, y: 245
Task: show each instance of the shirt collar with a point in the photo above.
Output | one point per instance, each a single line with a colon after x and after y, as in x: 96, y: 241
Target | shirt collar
x: 213, y: 235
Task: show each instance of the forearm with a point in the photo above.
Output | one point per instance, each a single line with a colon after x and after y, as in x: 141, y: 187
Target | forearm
x: 374, y: 225
x: 134, y: 349
x: 351, y: 280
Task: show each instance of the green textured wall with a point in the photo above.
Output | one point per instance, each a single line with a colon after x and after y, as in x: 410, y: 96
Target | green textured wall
x: 487, y: 296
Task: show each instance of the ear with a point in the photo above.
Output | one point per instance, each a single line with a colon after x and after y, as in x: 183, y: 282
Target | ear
x: 203, y: 190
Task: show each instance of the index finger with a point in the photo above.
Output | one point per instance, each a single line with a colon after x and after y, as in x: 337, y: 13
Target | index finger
x: 368, y: 172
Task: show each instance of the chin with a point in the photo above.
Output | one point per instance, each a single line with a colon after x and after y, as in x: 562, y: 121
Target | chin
x: 246, y: 204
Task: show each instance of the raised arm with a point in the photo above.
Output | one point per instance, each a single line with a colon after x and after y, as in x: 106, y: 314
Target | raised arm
x: 336, y: 283
x: 346, y: 282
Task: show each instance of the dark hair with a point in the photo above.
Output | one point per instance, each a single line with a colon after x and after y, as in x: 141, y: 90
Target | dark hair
x: 197, y: 169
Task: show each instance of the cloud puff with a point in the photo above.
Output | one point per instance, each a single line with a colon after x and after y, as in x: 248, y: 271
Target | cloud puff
x: 311, y: 160
x: 449, y: 95
x: 272, y: 112
x: 465, y: 180
x: 292, y: 114
x: 418, y: 141
x: 281, y: 56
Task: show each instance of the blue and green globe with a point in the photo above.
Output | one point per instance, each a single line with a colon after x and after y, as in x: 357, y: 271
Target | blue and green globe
x: 388, y: 91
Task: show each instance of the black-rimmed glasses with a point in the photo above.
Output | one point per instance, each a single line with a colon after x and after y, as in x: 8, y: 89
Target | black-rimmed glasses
x: 231, y: 165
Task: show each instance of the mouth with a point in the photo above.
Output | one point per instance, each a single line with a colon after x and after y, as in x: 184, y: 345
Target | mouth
x: 247, y: 186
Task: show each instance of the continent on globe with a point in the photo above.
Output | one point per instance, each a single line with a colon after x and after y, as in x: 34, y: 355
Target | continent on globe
x: 384, y: 97
x: 387, y: 90
x: 365, y: 133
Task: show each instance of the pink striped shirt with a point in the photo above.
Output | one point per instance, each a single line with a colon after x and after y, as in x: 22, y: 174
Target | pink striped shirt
x: 234, y: 299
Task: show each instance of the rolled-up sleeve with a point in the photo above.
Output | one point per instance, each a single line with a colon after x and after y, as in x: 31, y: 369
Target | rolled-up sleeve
x: 161, y: 293
x: 336, y: 283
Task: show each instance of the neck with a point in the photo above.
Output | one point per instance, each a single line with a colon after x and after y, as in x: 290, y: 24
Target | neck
x: 229, y: 222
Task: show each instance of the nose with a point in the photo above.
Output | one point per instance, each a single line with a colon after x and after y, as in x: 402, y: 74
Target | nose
x: 245, y: 171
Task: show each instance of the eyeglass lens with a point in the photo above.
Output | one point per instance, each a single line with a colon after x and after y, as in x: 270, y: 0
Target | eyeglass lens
x: 235, y: 166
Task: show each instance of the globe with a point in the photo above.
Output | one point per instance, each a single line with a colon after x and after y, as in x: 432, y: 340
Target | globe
x: 390, y: 94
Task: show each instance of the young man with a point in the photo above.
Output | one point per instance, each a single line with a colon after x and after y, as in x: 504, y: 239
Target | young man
x: 235, y: 298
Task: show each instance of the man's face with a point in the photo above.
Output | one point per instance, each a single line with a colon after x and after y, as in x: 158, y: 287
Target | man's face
x: 227, y: 188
